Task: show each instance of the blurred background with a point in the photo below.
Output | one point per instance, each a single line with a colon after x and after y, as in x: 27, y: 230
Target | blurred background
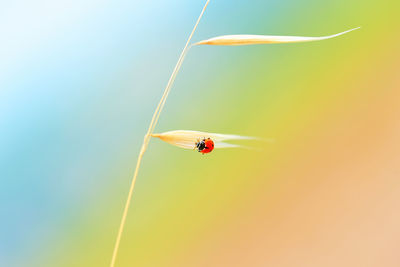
x: 79, y: 82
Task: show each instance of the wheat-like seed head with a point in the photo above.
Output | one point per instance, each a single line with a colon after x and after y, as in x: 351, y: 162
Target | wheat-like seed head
x: 187, y: 139
x: 247, y: 39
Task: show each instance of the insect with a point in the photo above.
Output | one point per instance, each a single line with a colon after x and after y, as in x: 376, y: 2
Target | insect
x: 205, y: 146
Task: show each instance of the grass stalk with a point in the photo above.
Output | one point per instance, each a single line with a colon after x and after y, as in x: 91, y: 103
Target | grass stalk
x: 147, y: 137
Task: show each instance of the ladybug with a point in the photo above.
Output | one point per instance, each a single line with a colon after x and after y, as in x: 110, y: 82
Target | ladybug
x: 205, y: 146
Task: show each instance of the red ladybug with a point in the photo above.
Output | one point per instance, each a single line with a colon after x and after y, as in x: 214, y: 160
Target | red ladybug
x: 205, y: 146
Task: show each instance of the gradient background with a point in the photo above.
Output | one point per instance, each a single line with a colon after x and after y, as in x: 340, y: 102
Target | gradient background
x: 79, y: 81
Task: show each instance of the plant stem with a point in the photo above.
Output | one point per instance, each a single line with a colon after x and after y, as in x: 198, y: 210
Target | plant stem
x: 147, y: 137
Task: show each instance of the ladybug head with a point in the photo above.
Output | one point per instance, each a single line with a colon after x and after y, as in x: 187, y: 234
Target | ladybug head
x: 201, y: 145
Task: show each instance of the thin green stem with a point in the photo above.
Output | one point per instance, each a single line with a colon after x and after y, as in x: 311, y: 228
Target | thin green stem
x: 147, y: 137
